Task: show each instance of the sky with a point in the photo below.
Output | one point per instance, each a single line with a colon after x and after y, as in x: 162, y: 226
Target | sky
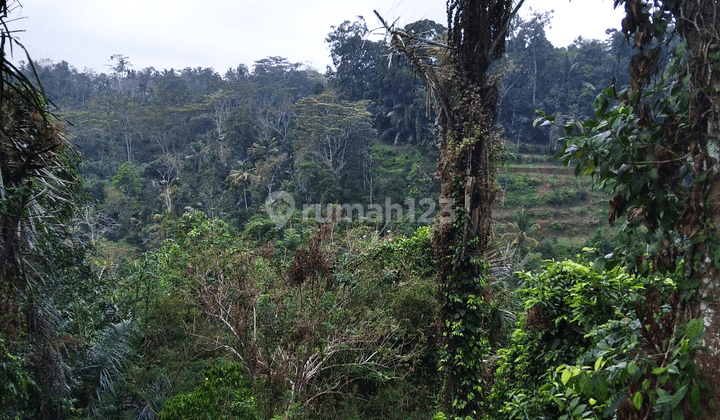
x: 222, y: 34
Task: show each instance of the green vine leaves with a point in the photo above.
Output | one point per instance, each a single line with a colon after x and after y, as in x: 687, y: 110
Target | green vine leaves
x: 634, y: 150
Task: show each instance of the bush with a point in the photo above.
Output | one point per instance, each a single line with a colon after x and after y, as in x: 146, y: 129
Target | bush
x: 567, y: 197
x: 520, y: 190
x: 563, y: 303
x: 224, y: 394
x: 413, y: 255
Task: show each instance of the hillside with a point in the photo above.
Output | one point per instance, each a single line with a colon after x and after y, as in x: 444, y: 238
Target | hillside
x: 562, y: 212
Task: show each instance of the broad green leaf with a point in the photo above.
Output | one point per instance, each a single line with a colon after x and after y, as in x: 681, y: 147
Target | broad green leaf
x: 658, y: 370
x: 678, y: 397
x: 694, y: 328
x: 638, y: 400
x: 632, y: 367
x: 695, y: 395
x: 566, y: 375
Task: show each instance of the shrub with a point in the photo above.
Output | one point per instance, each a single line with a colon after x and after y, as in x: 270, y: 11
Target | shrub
x: 520, y: 190
x: 223, y: 394
x: 563, y: 303
x: 567, y: 197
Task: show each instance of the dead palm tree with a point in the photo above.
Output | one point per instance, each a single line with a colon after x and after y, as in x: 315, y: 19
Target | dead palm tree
x: 464, y: 92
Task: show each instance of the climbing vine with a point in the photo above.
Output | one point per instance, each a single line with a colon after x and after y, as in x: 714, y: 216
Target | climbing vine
x: 654, y: 146
x: 458, y: 76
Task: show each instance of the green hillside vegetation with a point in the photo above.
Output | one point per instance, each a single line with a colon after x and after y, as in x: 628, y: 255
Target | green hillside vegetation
x: 265, y: 243
x: 558, y: 213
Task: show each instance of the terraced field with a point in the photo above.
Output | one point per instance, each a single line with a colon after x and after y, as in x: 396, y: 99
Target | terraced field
x: 558, y: 212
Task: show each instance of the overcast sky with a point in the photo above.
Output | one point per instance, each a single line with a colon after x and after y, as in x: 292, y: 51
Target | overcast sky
x: 224, y: 33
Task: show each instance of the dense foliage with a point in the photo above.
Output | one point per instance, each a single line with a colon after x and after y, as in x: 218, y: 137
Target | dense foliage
x: 185, y: 131
x: 581, y: 343
x: 258, y: 244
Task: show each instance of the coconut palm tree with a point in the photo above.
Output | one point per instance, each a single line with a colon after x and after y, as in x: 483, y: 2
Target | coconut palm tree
x: 519, y: 240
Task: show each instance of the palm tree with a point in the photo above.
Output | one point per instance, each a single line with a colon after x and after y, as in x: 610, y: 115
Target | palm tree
x: 243, y: 179
x: 38, y: 182
x: 39, y: 189
x: 519, y: 239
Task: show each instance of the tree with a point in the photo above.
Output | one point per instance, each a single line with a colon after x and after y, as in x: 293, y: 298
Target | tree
x: 655, y: 147
x: 242, y: 131
x: 519, y: 238
x: 268, y: 159
x: 365, y: 69
x: 278, y: 85
x: 334, y: 133
x: 458, y: 78
x: 91, y: 224
x: 400, y: 116
x: 120, y: 68
x: 355, y: 59
x: 128, y: 180
x: 167, y: 167
x: 302, y: 336
x: 531, y: 73
x: 39, y: 188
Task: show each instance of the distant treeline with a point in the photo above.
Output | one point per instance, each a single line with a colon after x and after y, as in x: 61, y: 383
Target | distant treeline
x: 159, y: 141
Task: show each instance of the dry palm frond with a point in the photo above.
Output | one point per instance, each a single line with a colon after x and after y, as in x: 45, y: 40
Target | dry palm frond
x: 240, y: 177
x: 426, y: 57
x: 36, y: 183
x: 26, y: 92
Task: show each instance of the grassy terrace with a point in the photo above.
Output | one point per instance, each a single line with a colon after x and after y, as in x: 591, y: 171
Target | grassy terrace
x: 559, y: 212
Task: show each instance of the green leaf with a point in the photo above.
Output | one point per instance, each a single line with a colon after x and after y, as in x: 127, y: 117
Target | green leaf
x: 599, y: 265
x: 695, y: 395
x: 694, y: 328
x: 598, y: 363
x: 638, y: 400
x: 658, y: 370
x: 632, y: 367
x: 678, y: 397
x: 566, y: 375
x: 678, y: 414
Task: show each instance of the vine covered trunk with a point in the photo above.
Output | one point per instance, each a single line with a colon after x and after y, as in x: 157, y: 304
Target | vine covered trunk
x: 679, y: 109
x: 461, y: 82
x: 699, y: 25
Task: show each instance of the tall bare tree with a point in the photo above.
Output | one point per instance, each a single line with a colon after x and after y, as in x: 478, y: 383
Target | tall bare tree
x: 464, y: 90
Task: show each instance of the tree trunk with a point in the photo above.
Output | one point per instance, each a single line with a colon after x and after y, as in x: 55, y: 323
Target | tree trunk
x: 694, y: 135
x: 699, y: 26
x: 466, y: 94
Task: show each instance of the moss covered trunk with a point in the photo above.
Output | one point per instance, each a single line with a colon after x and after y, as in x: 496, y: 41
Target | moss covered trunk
x: 699, y: 26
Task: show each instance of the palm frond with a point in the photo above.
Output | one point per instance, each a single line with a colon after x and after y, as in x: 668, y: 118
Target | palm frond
x: 109, y: 355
